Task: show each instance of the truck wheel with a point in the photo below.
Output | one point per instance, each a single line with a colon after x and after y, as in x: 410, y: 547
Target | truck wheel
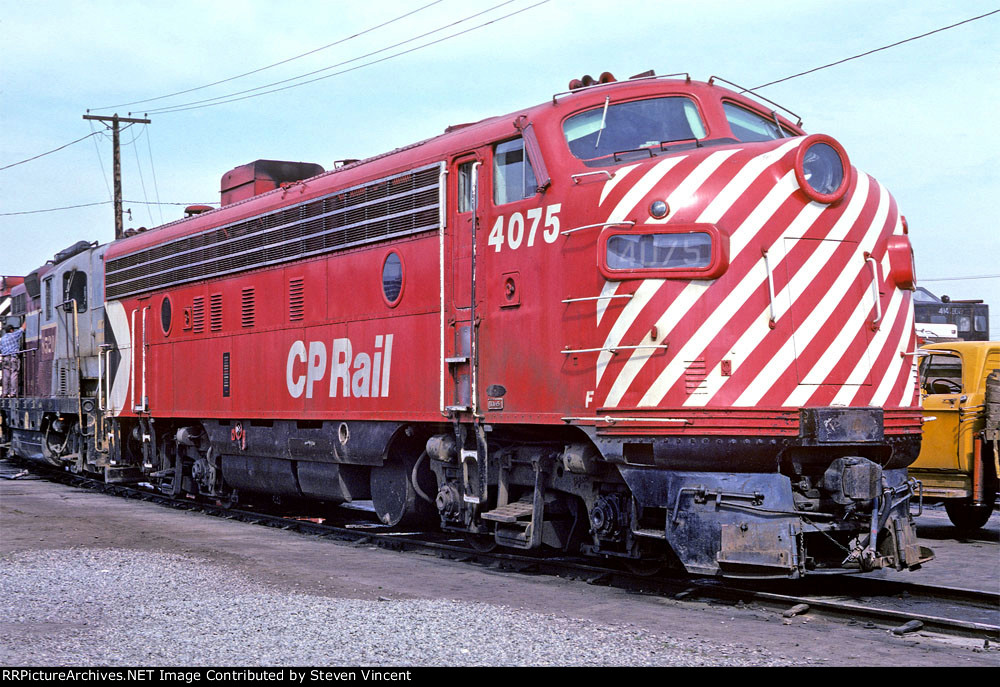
x: 395, y: 500
x: 966, y: 517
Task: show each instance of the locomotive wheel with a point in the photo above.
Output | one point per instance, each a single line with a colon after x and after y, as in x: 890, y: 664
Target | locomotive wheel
x: 965, y: 516
x: 645, y: 567
x: 227, y: 501
x: 395, y: 500
x: 483, y: 543
x: 51, y: 449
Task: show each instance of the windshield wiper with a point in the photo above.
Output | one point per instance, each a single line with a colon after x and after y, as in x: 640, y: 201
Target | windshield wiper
x: 632, y: 150
x: 604, y: 117
x: 663, y: 144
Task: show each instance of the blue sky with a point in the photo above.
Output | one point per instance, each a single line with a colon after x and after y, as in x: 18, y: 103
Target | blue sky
x: 919, y: 117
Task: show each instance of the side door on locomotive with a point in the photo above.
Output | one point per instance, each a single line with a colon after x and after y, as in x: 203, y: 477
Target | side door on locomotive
x: 458, y: 280
x: 499, y: 226
x: 496, y: 207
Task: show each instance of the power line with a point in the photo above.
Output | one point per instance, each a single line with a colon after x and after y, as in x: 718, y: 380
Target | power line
x: 884, y: 47
x: 103, y: 202
x: 156, y: 186
x: 142, y: 181
x: 979, y: 276
x: 260, y: 69
x: 229, y: 98
x: 116, y: 130
x: 104, y: 174
x: 15, y: 164
x: 55, y: 150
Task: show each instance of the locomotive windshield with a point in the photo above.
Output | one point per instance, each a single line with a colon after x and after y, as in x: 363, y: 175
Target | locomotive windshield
x: 608, y: 134
x: 749, y: 126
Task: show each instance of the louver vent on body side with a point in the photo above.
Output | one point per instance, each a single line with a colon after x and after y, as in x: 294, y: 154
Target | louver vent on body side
x: 296, y: 300
x: 695, y: 377
x: 215, y: 312
x: 249, y: 307
x: 198, y: 315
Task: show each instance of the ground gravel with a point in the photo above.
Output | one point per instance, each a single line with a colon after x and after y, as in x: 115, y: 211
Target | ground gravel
x: 107, y: 607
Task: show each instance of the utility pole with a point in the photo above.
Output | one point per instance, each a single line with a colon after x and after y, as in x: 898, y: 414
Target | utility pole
x: 115, y: 120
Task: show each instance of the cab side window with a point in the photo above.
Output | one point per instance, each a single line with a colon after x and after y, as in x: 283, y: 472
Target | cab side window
x: 75, y: 288
x: 513, y: 178
x: 466, y: 187
x: 48, y: 298
x: 941, y: 374
x: 749, y: 126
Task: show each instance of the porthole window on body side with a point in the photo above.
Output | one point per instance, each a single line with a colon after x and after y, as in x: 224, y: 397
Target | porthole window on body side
x: 165, y: 315
x: 392, y: 279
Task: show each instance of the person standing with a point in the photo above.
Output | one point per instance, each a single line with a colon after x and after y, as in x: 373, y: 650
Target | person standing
x: 10, y: 347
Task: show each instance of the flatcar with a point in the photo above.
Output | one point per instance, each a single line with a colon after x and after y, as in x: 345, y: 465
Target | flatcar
x: 650, y: 320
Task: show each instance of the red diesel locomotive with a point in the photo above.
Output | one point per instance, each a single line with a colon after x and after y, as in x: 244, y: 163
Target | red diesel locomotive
x: 648, y: 319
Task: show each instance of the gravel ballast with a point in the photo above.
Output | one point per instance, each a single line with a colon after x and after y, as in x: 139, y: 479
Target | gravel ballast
x: 109, y: 607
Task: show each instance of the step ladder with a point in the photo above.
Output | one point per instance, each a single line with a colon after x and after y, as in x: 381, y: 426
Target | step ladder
x: 519, y: 524
x: 510, y: 513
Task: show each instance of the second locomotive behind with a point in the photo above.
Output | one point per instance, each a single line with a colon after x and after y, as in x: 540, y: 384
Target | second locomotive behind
x: 649, y: 320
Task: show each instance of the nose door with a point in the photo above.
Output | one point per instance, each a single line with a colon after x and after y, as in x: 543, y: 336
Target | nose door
x: 832, y: 303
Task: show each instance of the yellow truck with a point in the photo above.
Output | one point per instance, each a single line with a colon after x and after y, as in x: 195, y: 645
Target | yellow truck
x: 958, y: 461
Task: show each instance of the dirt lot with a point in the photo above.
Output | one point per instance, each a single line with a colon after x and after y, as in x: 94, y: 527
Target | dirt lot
x: 40, y: 516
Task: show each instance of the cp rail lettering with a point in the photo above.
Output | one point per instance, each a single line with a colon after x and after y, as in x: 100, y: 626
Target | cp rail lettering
x: 362, y: 376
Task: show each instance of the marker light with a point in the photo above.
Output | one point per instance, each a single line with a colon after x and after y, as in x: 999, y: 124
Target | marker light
x: 901, y: 267
x: 658, y: 209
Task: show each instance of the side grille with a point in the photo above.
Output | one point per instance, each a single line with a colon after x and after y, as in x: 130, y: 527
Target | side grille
x: 296, y: 299
x: 198, y: 315
x: 215, y: 312
x: 67, y: 379
x: 249, y: 308
x: 695, y: 376
x: 390, y: 207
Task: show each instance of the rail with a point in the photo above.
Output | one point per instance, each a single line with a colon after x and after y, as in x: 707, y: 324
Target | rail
x: 598, y: 298
x: 555, y: 97
x: 612, y: 349
x: 607, y: 419
x: 576, y: 177
x: 628, y: 223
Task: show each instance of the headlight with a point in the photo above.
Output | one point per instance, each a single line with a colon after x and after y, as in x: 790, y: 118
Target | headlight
x: 822, y: 169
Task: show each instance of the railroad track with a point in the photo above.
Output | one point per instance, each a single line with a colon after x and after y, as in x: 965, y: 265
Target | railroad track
x: 899, y: 607
x: 902, y: 607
